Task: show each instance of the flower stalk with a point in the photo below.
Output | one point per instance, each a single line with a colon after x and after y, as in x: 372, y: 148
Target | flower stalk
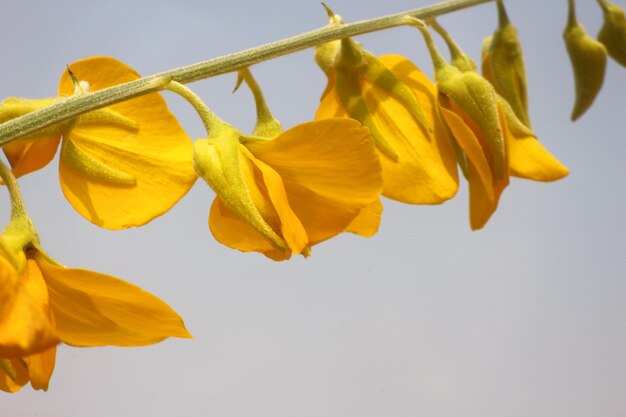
x: 75, y: 106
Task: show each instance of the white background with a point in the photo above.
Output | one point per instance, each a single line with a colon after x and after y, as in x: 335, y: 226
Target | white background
x: 524, y: 318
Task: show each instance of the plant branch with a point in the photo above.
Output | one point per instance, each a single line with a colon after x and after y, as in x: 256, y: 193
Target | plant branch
x: 75, y: 106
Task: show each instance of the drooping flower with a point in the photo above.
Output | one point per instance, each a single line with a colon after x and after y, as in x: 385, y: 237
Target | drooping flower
x: 43, y: 303
x: 527, y: 157
x: 120, y: 166
x: 493, y: 141
x: 396, y: 102
x: 588, y: 58
x: 281, y: 192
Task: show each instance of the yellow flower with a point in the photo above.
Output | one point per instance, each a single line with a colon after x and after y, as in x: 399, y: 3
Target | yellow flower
x: 396, y: 102
x: 43, y: 303
x: 493, y: 141
x: 281, y: 192
x: 284, y: 195
x: 119, y: 167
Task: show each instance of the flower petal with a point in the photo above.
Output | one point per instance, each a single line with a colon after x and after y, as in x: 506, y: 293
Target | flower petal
x: 230, y: 230
x: 367, y: 222
x: 29, y: 155
x: 13, y: 374
x: 425, y: 172
x: 330, y: 170
x: 93, y: 309
x: 529, y: 159
x: 484, y: 188
x: 26, y: 324
x: 138, y: 137
x: 40, y: 367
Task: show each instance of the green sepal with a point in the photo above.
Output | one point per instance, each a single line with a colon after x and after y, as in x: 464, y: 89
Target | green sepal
x: 475, y: 97
x: 378, y: 74
x: 217, y: 161
x: 351, y: 97
x: 507, y: 66
x: 80, y: 160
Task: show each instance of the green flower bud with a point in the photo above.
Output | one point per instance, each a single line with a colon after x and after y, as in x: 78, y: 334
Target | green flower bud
x: 613, y: 31
x: 507, y: 72
x: 588, y: 58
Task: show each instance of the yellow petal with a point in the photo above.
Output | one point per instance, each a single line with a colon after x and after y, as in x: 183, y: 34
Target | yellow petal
x: 267, y: 193
x: 13, y: 374
x: 529, y: 159
x: 40, y: 367
x: 470, y: 145
x: 157, y: 153
x: 483, y: 197
x: 472, y: 98
x: 290, y: 227
x: 230, y: 230
x: 223, y: 164
x: 35, y: 151
x: 330, y: 170
x: 93, y: 309
x: 367, y: 222
x: 484, y: 188
x: 26, y: 325
x: 29, y: 155
x: 425, y: 172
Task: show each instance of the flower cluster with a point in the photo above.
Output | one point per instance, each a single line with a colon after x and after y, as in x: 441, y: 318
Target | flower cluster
x: 382, y: 129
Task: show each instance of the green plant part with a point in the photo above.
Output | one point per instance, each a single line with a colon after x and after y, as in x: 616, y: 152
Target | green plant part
x: 613, y: 31
x: 507, y: 71
x: 588, y: 58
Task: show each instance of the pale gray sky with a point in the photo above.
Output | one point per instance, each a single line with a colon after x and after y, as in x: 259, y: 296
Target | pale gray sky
x: 524, y: 318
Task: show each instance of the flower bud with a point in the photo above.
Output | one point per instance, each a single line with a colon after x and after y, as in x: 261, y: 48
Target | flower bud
x: 588, y: 58
x: 613, y: 31
x: 506, y: 66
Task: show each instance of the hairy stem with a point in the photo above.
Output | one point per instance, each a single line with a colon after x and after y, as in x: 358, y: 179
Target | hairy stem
x: 77, y: 105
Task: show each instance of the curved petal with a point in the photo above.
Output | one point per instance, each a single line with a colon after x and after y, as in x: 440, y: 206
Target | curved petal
x: 484, y: 188
x: 288, y: 223
x: 367, y: 222
x: 425, y: 172
x: 470, y: 144
x: 529, y: 159
x: 26, y: 323
x: 93, y: 309
x: 40, y: 367
x: 228, y: 229
x: 34, y: 151
x: 330, y: 171
x: 29, y: 155
x: 13, y: 374
x: 227, y: 167
x: 138, y: 137
x: 267, y: 191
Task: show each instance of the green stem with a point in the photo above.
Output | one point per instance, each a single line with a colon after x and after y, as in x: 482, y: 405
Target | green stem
x: 18, y: 209
x: 20, y: 231
x: 209, y: 119
x: 77, y: 105
x: 571, y: 14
